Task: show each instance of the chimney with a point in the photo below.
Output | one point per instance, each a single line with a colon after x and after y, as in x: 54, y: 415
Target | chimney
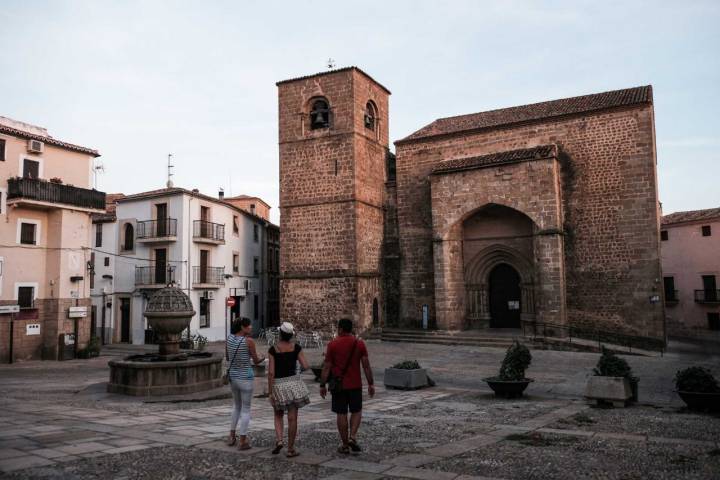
x: 221, y: 194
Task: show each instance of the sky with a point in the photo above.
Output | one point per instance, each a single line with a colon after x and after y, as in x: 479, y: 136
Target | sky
x: 138, y: 80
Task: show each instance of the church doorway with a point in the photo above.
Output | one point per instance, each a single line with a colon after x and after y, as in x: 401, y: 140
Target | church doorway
x: 505, y: 297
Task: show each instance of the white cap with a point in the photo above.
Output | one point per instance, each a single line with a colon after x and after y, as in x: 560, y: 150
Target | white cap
x: 287, y: 327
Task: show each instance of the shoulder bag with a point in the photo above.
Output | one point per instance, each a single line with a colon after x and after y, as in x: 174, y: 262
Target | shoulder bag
x: 335, y: 382
x: 226, y: 376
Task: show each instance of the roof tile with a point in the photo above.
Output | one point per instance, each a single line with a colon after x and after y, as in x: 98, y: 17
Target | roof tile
x: 535, y: 111
x: 691, y: 216
x: 498, y: 158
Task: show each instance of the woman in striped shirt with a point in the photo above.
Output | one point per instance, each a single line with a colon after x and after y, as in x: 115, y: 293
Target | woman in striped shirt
x: 239, y: 348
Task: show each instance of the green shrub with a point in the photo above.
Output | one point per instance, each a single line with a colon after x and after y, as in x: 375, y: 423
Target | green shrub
x: 610, y: 365
x: 407, y: 365
x: 91, y: 350
x: 516, y: 361
x: 696, y: 379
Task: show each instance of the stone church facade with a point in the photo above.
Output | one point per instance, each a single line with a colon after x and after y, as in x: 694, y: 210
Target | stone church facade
x: 544, y: 213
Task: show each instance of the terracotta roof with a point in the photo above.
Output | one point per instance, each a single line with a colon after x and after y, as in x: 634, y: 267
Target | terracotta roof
x: 247, y: 197
x: 330, y: 72
x: 498, y: 158
x: 691, y: 216
x: 535, y: 111
x: 161, y: 192
x: 47, y: 139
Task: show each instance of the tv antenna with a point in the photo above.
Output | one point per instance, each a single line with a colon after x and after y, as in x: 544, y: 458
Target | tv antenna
x: 169, y: 173
x: 330, y: 64
x: 99, y: 168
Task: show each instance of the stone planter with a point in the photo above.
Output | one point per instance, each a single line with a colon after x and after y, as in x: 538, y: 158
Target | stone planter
x: 406, y: 379
x: 613, y: 390
x: 703, y: 402
x: 508, y: 388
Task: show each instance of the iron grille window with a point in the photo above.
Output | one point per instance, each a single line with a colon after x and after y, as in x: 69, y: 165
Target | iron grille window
x: 26, y: 297
x: 2, y: 150
x: 663, y: 235
x: 204, y: 312
x: 706, y: 231
x: 98, y: 234
x: 27, y: 233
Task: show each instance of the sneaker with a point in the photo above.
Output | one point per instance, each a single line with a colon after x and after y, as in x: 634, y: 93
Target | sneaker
x: 344, y: 449
x: 354, y: 446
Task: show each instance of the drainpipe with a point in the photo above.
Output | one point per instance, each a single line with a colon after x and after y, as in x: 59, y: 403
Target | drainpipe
x: 189, y: 255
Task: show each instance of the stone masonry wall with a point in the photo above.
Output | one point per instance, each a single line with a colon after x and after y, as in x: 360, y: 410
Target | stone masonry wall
x: 610, y: 205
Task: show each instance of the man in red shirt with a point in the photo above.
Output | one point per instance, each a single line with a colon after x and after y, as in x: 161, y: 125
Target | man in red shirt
x: 343, y: 358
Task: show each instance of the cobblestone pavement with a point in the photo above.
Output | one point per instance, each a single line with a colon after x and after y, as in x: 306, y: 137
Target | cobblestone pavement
x: 53, y: 428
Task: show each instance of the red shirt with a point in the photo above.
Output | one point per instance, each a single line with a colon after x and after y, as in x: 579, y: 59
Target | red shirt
x: 338, y: 352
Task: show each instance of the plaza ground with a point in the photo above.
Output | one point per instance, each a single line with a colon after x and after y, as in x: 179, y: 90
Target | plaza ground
x: 58, y: 423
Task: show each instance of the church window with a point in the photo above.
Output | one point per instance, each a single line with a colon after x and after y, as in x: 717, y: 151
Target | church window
x: 370, y: 115
x: 320, y: 114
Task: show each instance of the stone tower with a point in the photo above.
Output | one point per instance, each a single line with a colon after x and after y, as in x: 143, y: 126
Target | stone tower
x: 333, y: 136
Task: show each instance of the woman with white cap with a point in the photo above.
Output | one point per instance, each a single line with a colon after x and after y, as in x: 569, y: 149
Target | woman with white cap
x: 288, y: 392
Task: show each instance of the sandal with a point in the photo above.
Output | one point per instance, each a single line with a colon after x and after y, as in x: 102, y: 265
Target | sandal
x: 292, y: 453
x: 344, y: 449
x: 231, y: 441
x: 278, y: 446
x: 354, y: 446
x: 245, y: 446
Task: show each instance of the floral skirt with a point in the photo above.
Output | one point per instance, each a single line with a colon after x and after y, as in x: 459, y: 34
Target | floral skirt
x: 290, y: 392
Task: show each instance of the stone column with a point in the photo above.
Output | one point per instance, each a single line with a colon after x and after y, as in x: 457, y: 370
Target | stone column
x: 449, y: 284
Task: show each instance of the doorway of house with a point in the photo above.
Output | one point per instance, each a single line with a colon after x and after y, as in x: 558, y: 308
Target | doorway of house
x: 124, y: 320
x: 504, y: 283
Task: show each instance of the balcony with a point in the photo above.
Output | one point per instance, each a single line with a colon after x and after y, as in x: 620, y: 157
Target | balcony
x: 162, y: 230
x: 671, y: 298
x: 157, y: 275
x: 208, y: 277
x: 34, y: 193
x: 707, y: 296
x: 208, y: 232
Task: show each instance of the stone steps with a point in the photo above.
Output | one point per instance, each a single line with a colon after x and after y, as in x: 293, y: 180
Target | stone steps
x: 447, y: 338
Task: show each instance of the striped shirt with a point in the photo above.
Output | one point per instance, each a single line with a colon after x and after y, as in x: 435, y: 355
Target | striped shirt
x: 240, y: 367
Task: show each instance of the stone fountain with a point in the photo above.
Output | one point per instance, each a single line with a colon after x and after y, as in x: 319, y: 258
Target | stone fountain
x: 170, y: 371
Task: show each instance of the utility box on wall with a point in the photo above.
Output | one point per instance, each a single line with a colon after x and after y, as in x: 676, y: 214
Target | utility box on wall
x: 66, y: 346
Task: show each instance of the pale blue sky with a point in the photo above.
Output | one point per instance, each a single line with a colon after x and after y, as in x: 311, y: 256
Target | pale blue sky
x: 137, y: 80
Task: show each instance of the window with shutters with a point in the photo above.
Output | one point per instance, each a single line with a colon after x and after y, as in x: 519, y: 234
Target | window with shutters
x: 98, y: 235
x: 256, y: 235
x: 107, y: 261
x: 27, y: 234
x: 256, y: 265
x: 204, y: 312
x: 26, y: 297
x: 236, y: 225
x: 236, y: 263
x: 2, y: 149
x: 31, y: 168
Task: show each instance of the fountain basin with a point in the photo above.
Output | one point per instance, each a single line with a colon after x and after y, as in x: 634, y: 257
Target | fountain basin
x: 156, y: 375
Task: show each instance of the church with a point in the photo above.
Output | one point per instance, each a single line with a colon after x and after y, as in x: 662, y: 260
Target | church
x: 542, y: 214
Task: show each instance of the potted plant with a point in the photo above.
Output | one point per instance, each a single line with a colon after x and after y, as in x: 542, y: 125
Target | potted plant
x: 406, y: 375
x: 698, y: 389
x: 57, y: 180
x: 612, y: 381
x: 511, y: 381
x: 199, y: 342
x: 91, y: 350
x: 187, y: 342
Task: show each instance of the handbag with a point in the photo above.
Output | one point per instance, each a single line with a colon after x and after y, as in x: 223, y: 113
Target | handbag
x: 335, y: 382
x: 226, y: 376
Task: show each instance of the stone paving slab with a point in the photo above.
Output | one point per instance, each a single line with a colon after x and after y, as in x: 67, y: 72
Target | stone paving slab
x: 350, y: 475
x: 82, y: 448
x: 48, y: 453
x: 356, y: 465
x: 420, y: 474
x: 411, y: 460
x: 19, y: 463
x: 574, y: 433
x: 10, y: 453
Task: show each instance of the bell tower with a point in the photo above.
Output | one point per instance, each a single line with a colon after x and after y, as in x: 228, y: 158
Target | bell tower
x: 333, y: 138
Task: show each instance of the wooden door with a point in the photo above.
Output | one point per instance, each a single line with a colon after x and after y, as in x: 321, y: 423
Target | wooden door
x: 124, y: 320
x: 505, y: 296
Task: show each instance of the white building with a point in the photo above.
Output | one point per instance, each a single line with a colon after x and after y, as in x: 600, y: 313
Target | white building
x: 206, y: 246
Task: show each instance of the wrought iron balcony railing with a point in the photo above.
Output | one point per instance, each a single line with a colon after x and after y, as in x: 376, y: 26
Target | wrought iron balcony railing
x: 209, y: 275
x: 42, y: 191
x: 163, y: 227
x: 707, y: 296
x: 203, y: 229
x: 155, y: 274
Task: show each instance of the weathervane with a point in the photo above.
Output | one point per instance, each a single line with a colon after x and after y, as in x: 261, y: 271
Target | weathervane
x: 330, y: 64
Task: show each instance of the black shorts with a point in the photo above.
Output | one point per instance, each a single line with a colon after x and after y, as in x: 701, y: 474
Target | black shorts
x: 347, y: 400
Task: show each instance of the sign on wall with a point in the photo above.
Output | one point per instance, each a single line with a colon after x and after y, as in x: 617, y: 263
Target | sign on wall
x: 9, y: 309
x: 32, y: 329
x: 77, y: 312
x: 514, y: 305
